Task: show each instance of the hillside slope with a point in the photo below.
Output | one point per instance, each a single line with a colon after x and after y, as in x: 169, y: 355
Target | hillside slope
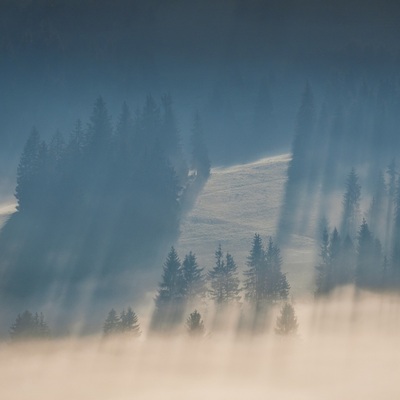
x: 237, y: 202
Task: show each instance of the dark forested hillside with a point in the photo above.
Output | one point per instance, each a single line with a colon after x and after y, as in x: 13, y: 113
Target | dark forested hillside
x: 101, y: 204
x: 241, y: 63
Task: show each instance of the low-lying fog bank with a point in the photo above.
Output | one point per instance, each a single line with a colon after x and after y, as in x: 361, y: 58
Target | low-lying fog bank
x: 346, y: 348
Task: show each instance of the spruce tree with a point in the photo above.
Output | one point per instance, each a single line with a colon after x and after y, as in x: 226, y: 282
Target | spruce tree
x: 195, y: 325
x: 100, y: 128
x: 200, y: 160
x: 255, y: 283
x: 351, y: 205
x: 128, y: 322
x: 111, y: 324
x: 29, y: 326
x: 28, y: 172
x: 286, y: 323
x: 224, y: 281
x: 170, y: 298
x: 323, y: 269
x: 377, y: 203
x: 193, y: 279
x: 298, y: 171
x: 368, y: 265
x: 277, y: 284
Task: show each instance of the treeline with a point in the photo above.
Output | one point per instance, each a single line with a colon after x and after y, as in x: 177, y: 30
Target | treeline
x: 184, y: 286
x: 351, y: 123
x: 363, y: 251
x: 101, y: 202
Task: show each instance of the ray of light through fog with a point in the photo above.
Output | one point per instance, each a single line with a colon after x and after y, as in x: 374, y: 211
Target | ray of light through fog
x: 199, y: 199
x: 347, y: 347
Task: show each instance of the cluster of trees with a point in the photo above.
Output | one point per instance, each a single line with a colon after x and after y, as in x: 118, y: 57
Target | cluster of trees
x: 102, y: 201
x: 362, y: 253
x: 126, y: 322
x: 352, y: 123
x: 186, y: 284
x: 29, y: 326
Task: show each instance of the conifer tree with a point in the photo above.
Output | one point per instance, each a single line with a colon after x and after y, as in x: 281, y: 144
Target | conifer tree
x: 171, y: 288
x: 351, y: 205
x: 377, y: 203
x: 323, y: 270
x: 195, y: 325
x: 299, y: 166
x: 28, y: 172
x: 366, y: 270
x: 128, y: 322
x: 286, y: 323
x: 391, y: 206
x: 224, y: 281
x: 170, y: 139
x: 255, y: 283
x: 277, y: 284
x: 170, y: 299
x: 29, y: 326
x: 112, y: 323
x: 124, y: 135
x: 200, y: 160
x: 100, y: 128
x: 193, y: 279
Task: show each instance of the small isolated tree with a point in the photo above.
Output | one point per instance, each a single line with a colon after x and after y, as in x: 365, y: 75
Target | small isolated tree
x: 194, y: 324
x: 111, y: 324
x: 286, y: 323
x: 29, y: 326
x: 129, y: 322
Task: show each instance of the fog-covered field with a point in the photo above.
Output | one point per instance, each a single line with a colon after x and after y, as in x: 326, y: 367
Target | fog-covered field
x: 346, y: 349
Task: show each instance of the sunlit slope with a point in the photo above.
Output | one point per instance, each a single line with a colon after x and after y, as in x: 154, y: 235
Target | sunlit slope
x: 237, y: 202
x: 6, y: 209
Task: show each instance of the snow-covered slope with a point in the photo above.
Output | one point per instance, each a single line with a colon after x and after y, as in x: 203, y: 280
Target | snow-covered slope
x: 237, y: 202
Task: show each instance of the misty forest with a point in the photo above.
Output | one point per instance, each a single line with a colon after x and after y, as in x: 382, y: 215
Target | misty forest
x: 202, y: 195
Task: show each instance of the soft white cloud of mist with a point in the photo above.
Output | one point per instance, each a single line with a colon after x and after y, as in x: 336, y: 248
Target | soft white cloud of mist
x: 347, y: 348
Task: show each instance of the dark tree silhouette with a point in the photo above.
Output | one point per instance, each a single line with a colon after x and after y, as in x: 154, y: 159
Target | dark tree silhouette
x: 112, y: 323
x: 170, y: 299
x: 99, y: 203
x: 351, y: 205
x: 28, y: 173
x: 224, y: 281
x: 29, y: 326
x: 277, y: 284
x: 323, y: 270
x: 368, y: 258
x: 129, y: 322
x: 193, y: 279
x: 126, y: 323
x: 255, y: 283
x: 200, y: 159
x: 286, y: 323
x: 195, y: 325
x: 299, y: 166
